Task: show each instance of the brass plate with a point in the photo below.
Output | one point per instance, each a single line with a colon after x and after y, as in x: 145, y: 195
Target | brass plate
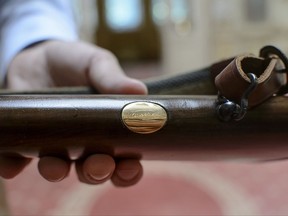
x: 144, y: 117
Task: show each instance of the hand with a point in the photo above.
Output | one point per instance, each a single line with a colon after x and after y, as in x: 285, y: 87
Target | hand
x: 56, y: 63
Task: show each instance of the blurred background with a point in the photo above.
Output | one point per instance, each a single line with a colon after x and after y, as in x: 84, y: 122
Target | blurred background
x: 175, y: 36
x: 164, y: 37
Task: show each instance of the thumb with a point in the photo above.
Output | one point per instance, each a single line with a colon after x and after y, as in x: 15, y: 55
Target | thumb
x: 106, y: 75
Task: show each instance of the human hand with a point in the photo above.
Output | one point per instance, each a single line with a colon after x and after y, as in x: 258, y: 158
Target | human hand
x: 56, y: 63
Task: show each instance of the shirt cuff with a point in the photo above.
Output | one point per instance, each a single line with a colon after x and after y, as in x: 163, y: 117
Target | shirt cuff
x: 31, y: 22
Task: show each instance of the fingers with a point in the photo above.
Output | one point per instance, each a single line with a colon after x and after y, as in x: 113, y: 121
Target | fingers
x: 106, y: 75
x: 56, y: 63
x: 99, y: 168
x: 78, y: 63
x: 95, y: 169
x: 12, y: 164
x: 128, y: 172
x: 53, y: 169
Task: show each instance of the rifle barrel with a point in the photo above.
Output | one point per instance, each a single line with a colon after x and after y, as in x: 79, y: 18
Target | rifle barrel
x: 78, y: 125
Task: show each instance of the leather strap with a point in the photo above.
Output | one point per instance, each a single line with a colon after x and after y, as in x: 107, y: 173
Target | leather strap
x: 233, y: 81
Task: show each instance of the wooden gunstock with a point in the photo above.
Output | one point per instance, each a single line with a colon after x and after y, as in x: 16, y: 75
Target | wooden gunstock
x: 78, y: 125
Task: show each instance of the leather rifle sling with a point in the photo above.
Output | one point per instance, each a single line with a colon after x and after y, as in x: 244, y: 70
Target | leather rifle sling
x: 247, y: 81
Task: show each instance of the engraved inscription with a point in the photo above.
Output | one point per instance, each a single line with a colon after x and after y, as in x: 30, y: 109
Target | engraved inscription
x: 144, y: 117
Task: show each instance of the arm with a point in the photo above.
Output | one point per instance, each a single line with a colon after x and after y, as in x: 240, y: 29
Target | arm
x: 26, y: 22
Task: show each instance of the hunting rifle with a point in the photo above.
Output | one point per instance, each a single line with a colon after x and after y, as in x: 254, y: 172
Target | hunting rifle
x: 187, y: 117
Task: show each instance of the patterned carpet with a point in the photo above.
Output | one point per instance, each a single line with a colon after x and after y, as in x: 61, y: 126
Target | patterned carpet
x: 167, y: 188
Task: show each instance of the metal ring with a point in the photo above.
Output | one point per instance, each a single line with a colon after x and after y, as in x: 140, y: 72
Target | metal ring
x: 228, y: 110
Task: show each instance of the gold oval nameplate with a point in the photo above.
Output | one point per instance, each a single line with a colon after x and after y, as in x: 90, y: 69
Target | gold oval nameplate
x: 144, y: 117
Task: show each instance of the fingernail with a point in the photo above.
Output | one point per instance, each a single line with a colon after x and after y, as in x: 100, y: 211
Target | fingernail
x: 98, y: 177
x: 128, y: 174
x: 53, y: 169
x: 56, y: 179
x: 99, y: 167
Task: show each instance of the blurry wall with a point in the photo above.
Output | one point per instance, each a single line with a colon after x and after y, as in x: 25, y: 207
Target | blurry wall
x: 195, y: 33
x: 186, y: 40
x: 87, y: 18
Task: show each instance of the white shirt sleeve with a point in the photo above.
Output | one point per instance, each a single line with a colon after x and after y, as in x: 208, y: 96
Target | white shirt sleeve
x: 24, y: 22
